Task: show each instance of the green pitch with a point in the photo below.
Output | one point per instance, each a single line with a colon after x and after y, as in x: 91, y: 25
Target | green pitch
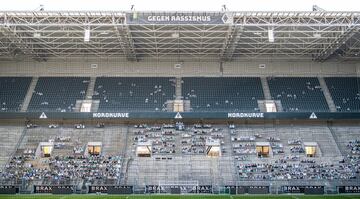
x: 177, y: 197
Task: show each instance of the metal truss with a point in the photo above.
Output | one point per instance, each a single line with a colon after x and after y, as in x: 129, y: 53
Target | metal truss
x: 298, y: 35
x: 352, y: 46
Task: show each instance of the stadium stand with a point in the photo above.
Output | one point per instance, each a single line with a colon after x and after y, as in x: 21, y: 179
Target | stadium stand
x: 291, y: 163
x: 179, y: 103
x: 133, y: 93
x: 345, y: 92
x: 223, y: 94
x: 69, y: 161
x: 298, y: 94
x: 58, y: 94
x: 9, y: 135
x: 12, y: 92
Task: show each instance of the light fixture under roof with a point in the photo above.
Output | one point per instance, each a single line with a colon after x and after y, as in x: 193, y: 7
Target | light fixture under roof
x: 175, y: 35
x: 104, y: 32
x: 271, y: 35
x: 317, y: 35
x: 87, y: 35
x: 37, y: 34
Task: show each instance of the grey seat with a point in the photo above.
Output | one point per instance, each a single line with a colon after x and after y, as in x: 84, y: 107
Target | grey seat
x: 223, y: 94
x: 298, y: 94
x: 133, y: 94
x: 12, y: 92
x: 58, y: 94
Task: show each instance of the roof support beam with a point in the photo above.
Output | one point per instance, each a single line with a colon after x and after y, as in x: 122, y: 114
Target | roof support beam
x: 125, y: 40
x: 230, y: 44
x: 341, y: 40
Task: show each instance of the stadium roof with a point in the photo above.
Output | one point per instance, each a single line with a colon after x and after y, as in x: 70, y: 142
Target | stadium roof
x: 219, y: 36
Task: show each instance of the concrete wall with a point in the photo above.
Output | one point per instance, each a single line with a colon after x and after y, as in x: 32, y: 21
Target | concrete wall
x: 155, y: 68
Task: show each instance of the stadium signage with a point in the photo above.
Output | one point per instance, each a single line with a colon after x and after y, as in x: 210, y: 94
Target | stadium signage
x: 178, y: 18
x: 293, y: 189
x: 120, y: 190
x: 61, y: 189
x: 231, y: 189
x: 65, y: 189
x: 43, y: 189
x: 154, y: 189
x: 245, y: 115
x: 349, y: 189
x: 98, y: 189
x: 258, y: 189
x: 184, y: 115
x: 178, y: 189
x: 8, y: 189
x: 303, y: 189
x: 110, y: 115
x: 204, y: 189
x: 252, y: 189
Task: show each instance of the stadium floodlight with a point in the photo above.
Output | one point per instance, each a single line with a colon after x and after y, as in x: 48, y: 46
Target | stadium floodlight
x: 271, y: 35
x: 87, y: 35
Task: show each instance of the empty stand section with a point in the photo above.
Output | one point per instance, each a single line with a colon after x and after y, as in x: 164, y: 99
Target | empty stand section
x: 58, y: 93
x: 12, y: 92
x: 133, y: 93
x: 298, y: 94
x: 345, y: 93
x: 223, y: 94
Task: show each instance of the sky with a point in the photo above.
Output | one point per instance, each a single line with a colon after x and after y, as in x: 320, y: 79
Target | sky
x: 181, y: 5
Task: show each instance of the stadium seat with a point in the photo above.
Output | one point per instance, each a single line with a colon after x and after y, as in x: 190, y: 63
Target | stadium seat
x: 58, y: 94
x: 223, y: 94
x: 12, y: 92
x: 345, y: 93
x: 298, y: 94
x: 133, y: 94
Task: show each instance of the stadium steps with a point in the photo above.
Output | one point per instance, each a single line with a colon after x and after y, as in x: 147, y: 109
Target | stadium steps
x: 178, y: 87
x: 90, y: 88
x: 95, y: 105
x: 337, y: 142
x: 112, y: 141
x: 265, y: 87
x: 261, y: 105
x: 29, y: 94
x: 345, y: 134
x: 187, y: 106
x: 227, y: 170
x: 10, y: 138
x: 326, y: 143
x: 78, y: 105
x: 327, y: 95
x: 125, y: 170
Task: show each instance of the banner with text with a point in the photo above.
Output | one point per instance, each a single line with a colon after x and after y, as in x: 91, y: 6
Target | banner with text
x: 178, y: 18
